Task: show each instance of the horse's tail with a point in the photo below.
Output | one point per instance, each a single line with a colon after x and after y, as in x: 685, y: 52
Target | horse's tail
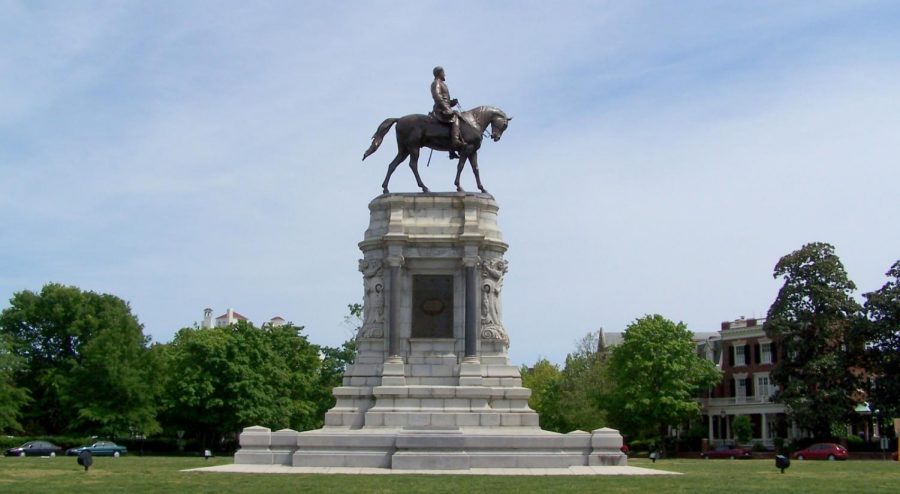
x: 379, y: 136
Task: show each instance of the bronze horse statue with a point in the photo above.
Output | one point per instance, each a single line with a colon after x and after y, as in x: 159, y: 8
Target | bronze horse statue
x: 417, y: 131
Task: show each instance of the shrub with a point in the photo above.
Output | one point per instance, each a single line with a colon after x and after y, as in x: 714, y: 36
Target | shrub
x: 743, y: 429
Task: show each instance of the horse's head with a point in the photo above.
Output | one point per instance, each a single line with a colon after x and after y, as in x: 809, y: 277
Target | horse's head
x: 499, y: 123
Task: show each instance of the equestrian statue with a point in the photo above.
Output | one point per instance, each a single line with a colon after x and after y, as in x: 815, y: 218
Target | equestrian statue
x: 443, y: 129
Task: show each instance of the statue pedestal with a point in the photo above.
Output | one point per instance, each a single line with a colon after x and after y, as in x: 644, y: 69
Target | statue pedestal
x: 432, y: 386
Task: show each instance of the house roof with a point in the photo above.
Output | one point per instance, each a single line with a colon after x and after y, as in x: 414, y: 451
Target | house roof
x: 234, y: 314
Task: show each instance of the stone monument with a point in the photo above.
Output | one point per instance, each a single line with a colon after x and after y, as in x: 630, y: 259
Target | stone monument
x: 432, y: 386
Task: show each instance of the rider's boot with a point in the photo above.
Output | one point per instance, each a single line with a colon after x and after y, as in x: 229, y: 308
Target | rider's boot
x: 455, y: 141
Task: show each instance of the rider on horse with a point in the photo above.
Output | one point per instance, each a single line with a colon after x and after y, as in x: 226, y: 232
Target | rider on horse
x: 443, y: 109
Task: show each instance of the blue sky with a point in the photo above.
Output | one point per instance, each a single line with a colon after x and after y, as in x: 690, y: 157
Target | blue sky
x: 663, y: 155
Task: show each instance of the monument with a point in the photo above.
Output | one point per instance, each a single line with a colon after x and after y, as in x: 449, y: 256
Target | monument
x: 432, y: 386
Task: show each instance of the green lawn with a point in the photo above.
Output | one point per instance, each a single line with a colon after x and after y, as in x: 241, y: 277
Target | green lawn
x: 134, y: 474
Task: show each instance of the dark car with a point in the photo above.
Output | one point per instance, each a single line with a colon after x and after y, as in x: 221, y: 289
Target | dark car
x: 100, y: 448
x: 35, y: 448
x: 822, y: 451
x: 727, y: 452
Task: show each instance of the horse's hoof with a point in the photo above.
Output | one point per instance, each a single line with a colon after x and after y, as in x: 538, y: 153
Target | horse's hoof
x: 385, y: 191
x: 483, y: 190
x: 459, y: 189
x: 425, y: 190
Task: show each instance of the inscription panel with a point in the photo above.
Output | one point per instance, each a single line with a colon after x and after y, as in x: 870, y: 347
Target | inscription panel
x: 432, y: 306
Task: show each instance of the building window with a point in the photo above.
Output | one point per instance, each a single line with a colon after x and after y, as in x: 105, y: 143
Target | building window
x: 766, y: 351
x: 765, y: 388
x: 740, y: 355
x: 741, y: 390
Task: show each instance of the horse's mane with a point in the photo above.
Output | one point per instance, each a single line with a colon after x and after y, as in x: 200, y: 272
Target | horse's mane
x: 487, y: 108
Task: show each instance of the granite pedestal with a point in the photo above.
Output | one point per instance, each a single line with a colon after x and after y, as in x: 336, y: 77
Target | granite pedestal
x: 432, y: 386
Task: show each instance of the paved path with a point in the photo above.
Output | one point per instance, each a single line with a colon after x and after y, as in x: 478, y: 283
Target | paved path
x: 580, y: 470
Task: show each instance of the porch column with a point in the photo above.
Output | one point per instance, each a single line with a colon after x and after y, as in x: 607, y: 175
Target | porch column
x: 710, y: 421
x: 765, y: 428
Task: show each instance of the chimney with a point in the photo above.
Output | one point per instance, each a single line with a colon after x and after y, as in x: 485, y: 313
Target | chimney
x: 230, y: 317
x: 207, y: 318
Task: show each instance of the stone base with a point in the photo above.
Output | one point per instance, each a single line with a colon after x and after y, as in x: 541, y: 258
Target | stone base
x: 434, y: 449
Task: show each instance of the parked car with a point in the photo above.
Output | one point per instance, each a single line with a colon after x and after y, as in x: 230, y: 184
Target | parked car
x: 727, y: 452
x: 822, y: 451
x: 35, y: 448
x: 100, y: 448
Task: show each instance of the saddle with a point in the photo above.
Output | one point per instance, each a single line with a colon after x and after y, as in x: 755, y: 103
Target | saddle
x: 435, y: 127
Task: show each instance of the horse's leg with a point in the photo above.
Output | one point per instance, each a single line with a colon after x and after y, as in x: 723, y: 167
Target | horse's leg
x: 474, y: 160
x: 414, y: 164
x: 401, y: 155
x: 459, y: 169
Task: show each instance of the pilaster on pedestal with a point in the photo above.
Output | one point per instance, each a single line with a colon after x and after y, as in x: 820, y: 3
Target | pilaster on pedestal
x: 393, y: 372
x: 470, y: 372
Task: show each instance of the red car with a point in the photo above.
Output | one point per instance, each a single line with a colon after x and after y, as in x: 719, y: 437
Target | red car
x: 727, y: 452
x: 822, y: 451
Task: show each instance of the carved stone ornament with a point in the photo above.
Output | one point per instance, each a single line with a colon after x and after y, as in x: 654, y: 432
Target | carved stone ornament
x: 492, y: 271
x: 373, y: 301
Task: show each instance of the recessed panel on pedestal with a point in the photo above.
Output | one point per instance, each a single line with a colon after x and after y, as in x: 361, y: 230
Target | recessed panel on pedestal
x: 432, y: 311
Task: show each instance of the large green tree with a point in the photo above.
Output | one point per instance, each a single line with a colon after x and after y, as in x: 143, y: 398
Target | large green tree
x: 883, y: 310
x: 12, y: 397
x: 544, y: 379
x: 570, y: 399
x: 817, y: 321
x: 582, y: 386
x: 655, y: 375
x: 84, y: 359
x: 223, y: 379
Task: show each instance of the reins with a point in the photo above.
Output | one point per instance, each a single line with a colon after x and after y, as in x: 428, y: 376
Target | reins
x: 484, y: 135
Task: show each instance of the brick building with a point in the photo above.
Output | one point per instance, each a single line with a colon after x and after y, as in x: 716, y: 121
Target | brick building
x: 746, y: 357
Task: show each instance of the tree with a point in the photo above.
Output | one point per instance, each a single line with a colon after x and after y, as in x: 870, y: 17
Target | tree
x: 331, y: 372
x: 883, y: 310
x: 225, y: 378
x: 12, y: 398
x: 742, y: 428
x: 655, y: 375
x: 582, y: 386
x: 544, y: 379
x: 84, y: 359
x: 817, y: 322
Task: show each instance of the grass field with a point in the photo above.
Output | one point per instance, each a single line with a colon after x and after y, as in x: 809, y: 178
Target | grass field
x: 134, y: 474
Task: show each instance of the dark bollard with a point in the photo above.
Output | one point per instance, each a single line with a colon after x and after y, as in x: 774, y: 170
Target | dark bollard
x: 782, y: 462
x: 85, y: 459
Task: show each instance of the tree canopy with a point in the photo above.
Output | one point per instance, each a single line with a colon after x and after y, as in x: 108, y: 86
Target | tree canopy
x: 12, y: 397
x: 544, y: 380
x: 569, y: 399
x: 83, y: 358
x: 655, y: 375
x: 817, y: 321
x: 225, y: 378
x: 883, y: 309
